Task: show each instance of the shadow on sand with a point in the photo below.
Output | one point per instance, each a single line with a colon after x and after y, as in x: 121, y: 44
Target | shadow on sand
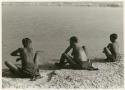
x: 6, y: 73
x: 99, y: 60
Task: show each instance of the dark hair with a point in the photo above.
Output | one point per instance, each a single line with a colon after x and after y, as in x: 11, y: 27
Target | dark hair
x: 74, y: 39
x: 26, y: 42
x: 114, y: 36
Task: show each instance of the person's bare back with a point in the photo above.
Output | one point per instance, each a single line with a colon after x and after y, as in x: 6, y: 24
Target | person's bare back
x: 79, y: 59
x: 79, y: 54
x: 27, y: 58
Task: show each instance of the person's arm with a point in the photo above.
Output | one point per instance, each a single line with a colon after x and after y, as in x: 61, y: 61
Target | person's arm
x: 36, y: 59
x: 109, y: 46
x: 67, y: 50
x: 18, y: 59
x: 16, y: 52
x: 86, y: 52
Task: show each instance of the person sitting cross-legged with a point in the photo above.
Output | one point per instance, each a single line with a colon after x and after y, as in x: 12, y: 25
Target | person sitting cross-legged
x: 112, y: 49
x: 78, y: 58
x: 29, y: 64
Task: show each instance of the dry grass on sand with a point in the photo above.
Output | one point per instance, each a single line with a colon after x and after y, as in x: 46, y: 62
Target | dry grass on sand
x: 109, y: 75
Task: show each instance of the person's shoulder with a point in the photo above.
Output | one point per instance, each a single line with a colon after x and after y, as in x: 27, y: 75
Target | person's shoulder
x: 78, y: 47
x: 115, y: 43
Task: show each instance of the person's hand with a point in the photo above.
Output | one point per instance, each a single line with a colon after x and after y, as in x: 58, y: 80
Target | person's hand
x: 18, y: 59
x: 39, y: 52
x: 103, y: 51
x: 88, y: 60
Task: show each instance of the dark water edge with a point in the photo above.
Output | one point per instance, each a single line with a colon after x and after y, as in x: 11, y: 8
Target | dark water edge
x: 84, y: 4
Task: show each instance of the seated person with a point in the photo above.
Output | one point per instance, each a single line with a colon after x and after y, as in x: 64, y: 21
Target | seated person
x: 28, y: 60
x: 78, y: 58
x: 112, y: 49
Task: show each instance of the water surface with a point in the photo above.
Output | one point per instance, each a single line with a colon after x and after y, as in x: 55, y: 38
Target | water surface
x: 50, y: 27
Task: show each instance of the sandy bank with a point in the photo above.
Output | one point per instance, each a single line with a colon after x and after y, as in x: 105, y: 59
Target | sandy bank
x: 109, y: 75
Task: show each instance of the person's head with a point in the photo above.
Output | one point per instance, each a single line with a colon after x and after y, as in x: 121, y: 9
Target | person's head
x: 73, y: 40
x: 113, y: 37
x: 26, y: 42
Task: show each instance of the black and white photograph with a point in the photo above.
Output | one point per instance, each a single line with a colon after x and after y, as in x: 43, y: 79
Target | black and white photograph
x: 62, y: 45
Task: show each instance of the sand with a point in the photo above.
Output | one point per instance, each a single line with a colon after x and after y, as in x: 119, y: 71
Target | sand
x: 109, y: 75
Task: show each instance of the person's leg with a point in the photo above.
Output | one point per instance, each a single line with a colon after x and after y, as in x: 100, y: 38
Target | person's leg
x: 35, y: 75
x: 72, y: 62
x: 36, y: 58
x: 74, y: 65
x: 107, y: 52
x: 65, y: 58
x: 36, y: 67
x: 87, y: 65
x: 36, y: 61
x: 16, y: 70
x: 12, y: 67
x: 90, y: 66
x: 62, y: 61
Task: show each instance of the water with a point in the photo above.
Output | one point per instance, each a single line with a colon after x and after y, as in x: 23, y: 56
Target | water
x: 50, y: 27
